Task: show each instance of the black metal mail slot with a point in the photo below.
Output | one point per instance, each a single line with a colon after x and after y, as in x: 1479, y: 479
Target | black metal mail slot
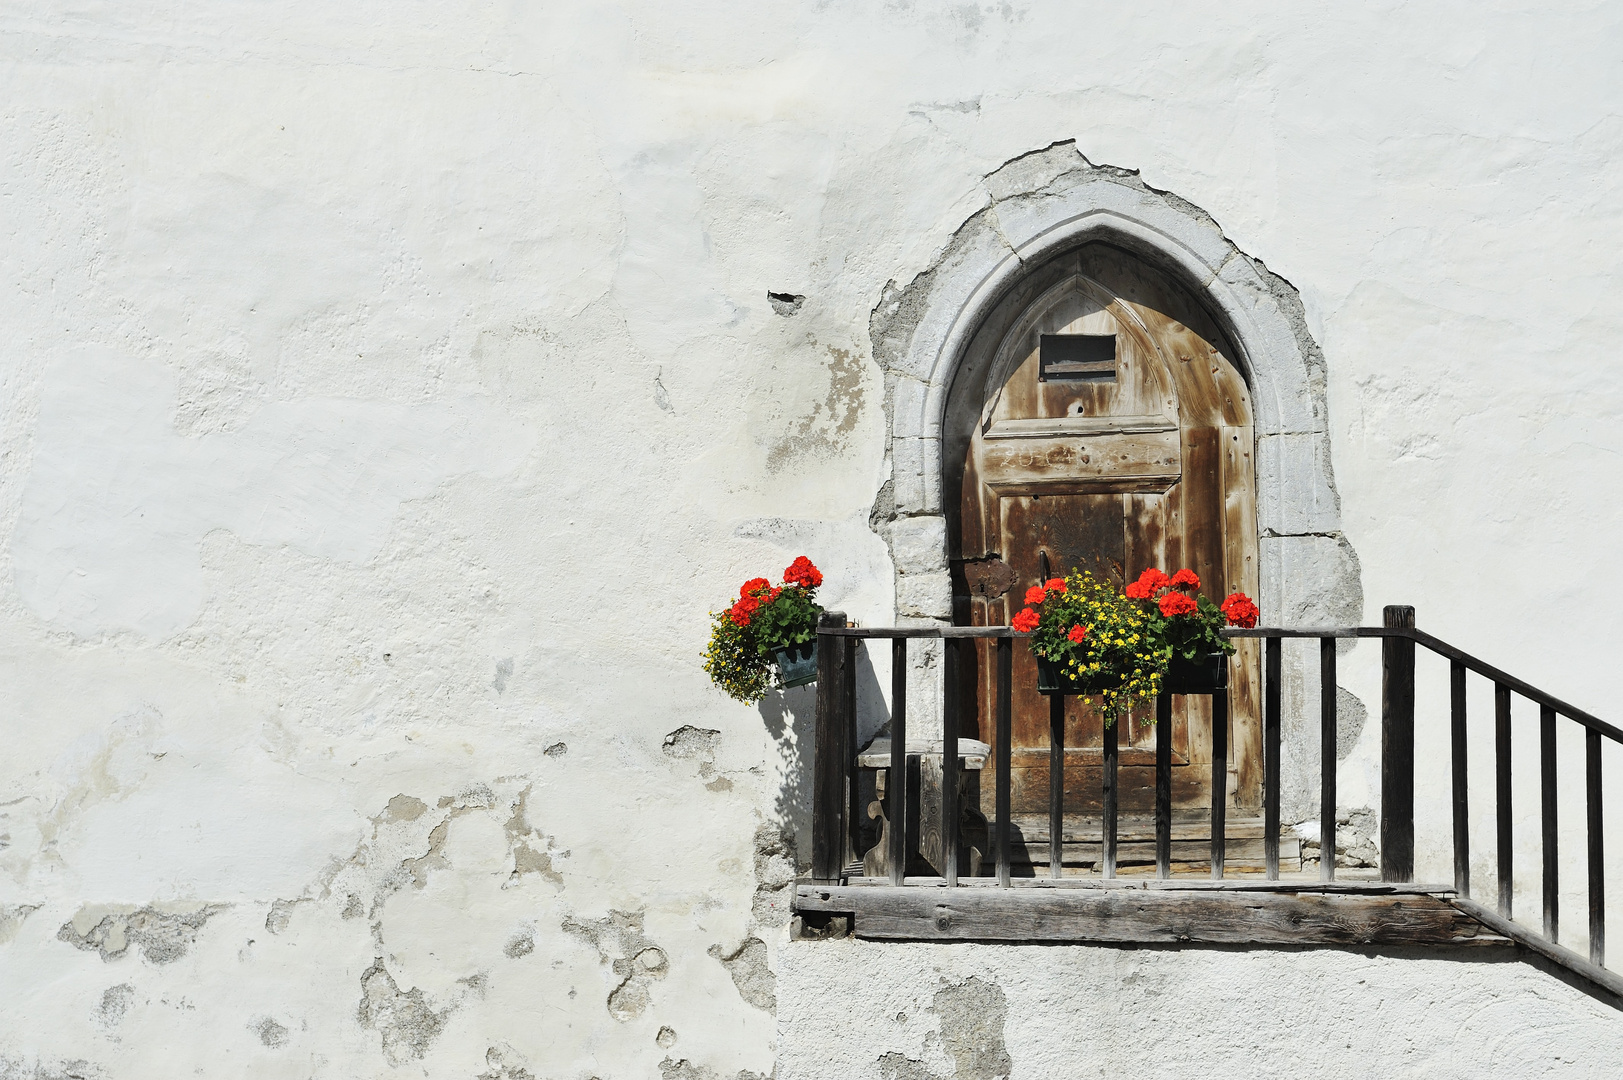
x: 1077, y: 358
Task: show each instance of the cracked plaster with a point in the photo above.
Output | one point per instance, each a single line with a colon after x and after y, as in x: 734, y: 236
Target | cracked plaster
x: 362, y: 363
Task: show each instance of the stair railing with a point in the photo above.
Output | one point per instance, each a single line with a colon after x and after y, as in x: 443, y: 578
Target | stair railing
x: 834, y: 787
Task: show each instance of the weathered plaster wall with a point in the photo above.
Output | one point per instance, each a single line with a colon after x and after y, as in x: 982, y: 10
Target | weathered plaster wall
x: 982, y: 1012
x: 389, y: 390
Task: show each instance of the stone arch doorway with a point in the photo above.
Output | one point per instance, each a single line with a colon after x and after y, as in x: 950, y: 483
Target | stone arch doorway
x: 1100, y: 422
x: 926, y: 335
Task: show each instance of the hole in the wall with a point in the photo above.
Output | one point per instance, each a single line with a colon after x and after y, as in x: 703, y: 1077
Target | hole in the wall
x: 785, y: 303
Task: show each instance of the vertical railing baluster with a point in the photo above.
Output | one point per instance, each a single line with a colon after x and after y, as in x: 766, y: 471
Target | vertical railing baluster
x: 1108, y: 830
x: 1220, y: 776
x: 1597, y: 850
x: 952, y: 707
x: 1397, y: 748
x: 1005, y: 721
x: 854, y: 815
x: 1056, y: 784
x: 1163, y: 786
x: 1327, y: 759
x: 1462, y: 818
x: 898, y: 760
x: 1270, y: 756
x: 1552, y: 869
x: 1501, y: 750
x: 828, y: 756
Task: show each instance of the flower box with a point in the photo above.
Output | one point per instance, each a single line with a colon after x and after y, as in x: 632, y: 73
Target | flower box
x: 797, y: 664
x: 1204, y: 675
x: 1052, y: 679
x: 766, y: 638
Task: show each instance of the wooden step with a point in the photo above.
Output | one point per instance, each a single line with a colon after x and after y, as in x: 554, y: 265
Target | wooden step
x: 1239, y: 855
x: 1083, y: 828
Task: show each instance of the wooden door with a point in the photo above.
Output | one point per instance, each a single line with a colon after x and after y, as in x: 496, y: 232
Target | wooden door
x: 1114, y: 435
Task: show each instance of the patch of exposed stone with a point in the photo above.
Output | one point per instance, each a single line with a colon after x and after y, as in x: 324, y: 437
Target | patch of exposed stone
x: 161, y: 932
x: 774, y: 876
x: 12, y: 917
x: 972, y: 1015
x: 532, y: 852
x: 635, y: 960
x: 683, y: 1069
x: 502, y: 1062
x: 404, y: 1018
x: 271, y: 1033
x: 751, y: 973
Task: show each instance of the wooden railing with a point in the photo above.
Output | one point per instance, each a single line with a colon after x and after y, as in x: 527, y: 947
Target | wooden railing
x: 835, y: 788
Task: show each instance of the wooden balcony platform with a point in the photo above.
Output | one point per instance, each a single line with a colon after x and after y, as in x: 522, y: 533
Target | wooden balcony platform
x: 1147, y: 911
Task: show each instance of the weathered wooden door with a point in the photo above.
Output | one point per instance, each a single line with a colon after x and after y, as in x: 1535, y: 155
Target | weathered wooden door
x: 1113, y: 435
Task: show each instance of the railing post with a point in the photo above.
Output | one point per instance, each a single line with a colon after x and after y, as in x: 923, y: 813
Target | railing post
x: 1502, y: 794
x: 1397, y: 748
x: 951, y: 706
x: 897, y: 855
x: 1107, y: 852
x: 1549, y: 824
x: 1462, y: 798
x: 1273, y: 676
x: 1056, y: 785
x: 829, y: 755
x: 1005, y: 719
x: 1327, y: 759
x: 1163, y: 785
x: 854, y: 810
x: 1597, y: 849
x: 1220, y: 775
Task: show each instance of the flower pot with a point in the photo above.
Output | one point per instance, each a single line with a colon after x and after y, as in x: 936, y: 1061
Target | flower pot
x: 797, y: 665
x: 1052, y: 679
x: 1202, y: 675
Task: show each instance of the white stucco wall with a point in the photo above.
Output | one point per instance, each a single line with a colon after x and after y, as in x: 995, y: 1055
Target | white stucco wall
x: 976, y: 1012
x: 388, y: 390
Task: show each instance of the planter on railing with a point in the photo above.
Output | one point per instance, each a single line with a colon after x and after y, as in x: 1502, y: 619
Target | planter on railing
x: 1052, y: 679
x: 797, y: 665
x: 1204, y: 675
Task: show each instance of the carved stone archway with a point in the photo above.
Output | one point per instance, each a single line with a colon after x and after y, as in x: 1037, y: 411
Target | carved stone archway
x: 1039, y: 206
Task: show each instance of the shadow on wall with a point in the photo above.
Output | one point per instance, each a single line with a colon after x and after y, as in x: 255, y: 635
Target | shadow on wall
x: 791, y: 717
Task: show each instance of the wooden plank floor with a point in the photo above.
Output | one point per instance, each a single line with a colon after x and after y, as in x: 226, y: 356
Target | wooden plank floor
x: 1150, y: 912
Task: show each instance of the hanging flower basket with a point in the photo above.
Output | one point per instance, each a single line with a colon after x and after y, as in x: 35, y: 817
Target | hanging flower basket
x: 797, y: 664
x: 767, y: 638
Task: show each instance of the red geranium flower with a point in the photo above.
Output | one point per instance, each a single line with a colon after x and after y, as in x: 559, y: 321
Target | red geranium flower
x: 1026, y: 621
x: 741, y: 612
x: 1036, y: 594
x: 1056, y: 584
x: 1238, y: 609
x: 1148, y: 584
x: 1185, y: 577
x: 1176, y: 603
x: 754, y: 585
x: 1077, y: 633
x: 801, y: 572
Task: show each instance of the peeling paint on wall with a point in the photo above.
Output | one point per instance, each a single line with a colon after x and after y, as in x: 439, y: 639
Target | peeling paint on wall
x: 161, y: 932
x: 635, y: 960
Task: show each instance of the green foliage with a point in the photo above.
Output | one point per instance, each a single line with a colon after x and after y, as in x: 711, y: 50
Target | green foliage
x: 1190, y: 636
x: 791, y: 619
x: 734, y: 663
x: 763, y: 620
x: 1114, y: 651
